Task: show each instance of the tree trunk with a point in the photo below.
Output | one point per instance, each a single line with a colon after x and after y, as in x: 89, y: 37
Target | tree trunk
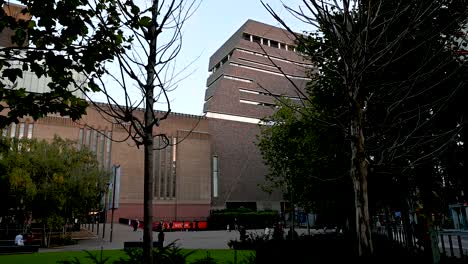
x: 148, y: 201
x: 44, y: 236
x: 358, y: 173
x: 148, y: 140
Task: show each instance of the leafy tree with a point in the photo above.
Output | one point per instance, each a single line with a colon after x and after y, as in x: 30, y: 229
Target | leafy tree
x: 309, y: 168
x: 55, y: 40
x: 82, y: 36
x: 52, y: 183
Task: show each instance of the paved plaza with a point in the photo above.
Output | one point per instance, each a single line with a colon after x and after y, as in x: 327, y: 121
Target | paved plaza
x: 190, y: 240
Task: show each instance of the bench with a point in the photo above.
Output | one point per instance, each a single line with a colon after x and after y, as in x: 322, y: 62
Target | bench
x: 19, y: 249
x: 9, y: 247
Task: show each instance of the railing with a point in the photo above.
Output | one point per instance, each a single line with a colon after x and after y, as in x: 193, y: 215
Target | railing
x: 451, y: 243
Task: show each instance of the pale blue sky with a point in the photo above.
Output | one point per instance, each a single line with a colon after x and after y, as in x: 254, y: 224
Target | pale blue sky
x: 213, y: 23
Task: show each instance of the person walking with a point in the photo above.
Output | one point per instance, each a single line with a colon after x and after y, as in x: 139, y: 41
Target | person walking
x: 161, y: 239
x: 136, y: 223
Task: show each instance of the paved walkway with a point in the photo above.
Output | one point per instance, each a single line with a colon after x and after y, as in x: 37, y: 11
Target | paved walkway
x: 122, y: 233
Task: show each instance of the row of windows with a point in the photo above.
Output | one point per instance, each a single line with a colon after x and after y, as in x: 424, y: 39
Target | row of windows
x: 98, y: 142
x: 305, y: 65
x: 257, y: 103
x: 242, y: 90
x: 268, y: 42
x: 227, y: 57
x: 19, y: 131
x: 223, y: 61
x: 165, y: 169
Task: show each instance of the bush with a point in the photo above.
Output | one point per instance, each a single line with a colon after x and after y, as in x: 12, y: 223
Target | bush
x: 168, y: 254
x: 65, y: 240
x: 252, y: 242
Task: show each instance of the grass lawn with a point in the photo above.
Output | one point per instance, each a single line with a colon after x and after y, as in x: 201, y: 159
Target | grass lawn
x: 221, y: 256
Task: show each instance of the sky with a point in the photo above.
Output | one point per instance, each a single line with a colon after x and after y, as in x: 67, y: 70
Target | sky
x: 209, y: 27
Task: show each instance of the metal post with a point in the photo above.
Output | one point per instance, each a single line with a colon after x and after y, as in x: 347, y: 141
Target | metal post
x: 105, y: 212
x: 113, y: 203
x: 451, y: 245
x: 292, y: 215
x: 97, y: 228
x: 460, y: 246
x: 443, y: 244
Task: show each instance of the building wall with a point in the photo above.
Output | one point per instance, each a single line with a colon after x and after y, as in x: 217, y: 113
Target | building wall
x: 240, y: 166
x: 192, y: 167
x: 246, y: 79
x: 12, y: 10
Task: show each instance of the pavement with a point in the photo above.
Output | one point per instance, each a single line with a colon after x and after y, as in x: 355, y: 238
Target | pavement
x: 121, y: 233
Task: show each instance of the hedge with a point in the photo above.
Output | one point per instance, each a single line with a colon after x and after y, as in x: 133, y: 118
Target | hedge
x: 219, y: 219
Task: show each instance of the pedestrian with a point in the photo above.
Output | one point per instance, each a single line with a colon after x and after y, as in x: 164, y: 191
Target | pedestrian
x: 19, y: 240
x: 196, y: 225
x: 136, y: 223
x: 170, y: 226
x: 161, y: 239
x: 277, y: 232
x: 228, y: 227
x: 243, y: 233
x: 379, y: 226
x: 267, y: 232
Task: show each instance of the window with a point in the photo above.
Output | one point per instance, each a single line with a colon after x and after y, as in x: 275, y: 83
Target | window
x: 88, y: 137
x: 174, y: 160
x: 165, y: 169
x: 169, y: 171
x: 215, y: 176
x: 246, y: 36
x: 249, y: 102
x: 282, y: 46
x: 103, y: 142
x: 80, y: 137
x: 21, y: 130
x: 157, y: 164
x: 248, y: 91
x: 30, y: 130
x: 224, y: 60
x: 95, y: 141
x: 237, y: 79
x: 256, y: 39
x: 274, y: 44
x: 108, y: 149
x: 162, y: 183
x: 13, y: 130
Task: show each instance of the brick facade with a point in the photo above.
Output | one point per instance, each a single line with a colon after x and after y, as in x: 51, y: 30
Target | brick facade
x: 241, y: 86
x: 190, y: 173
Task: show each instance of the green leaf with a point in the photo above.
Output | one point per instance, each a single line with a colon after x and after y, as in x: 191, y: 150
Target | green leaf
x: 145, y: 22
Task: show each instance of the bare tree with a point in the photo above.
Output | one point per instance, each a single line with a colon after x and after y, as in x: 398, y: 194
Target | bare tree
x: 145, y: 75
x: 362, y: 44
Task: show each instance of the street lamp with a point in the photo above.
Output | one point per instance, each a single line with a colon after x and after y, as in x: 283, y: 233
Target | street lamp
x: 113, y: 199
